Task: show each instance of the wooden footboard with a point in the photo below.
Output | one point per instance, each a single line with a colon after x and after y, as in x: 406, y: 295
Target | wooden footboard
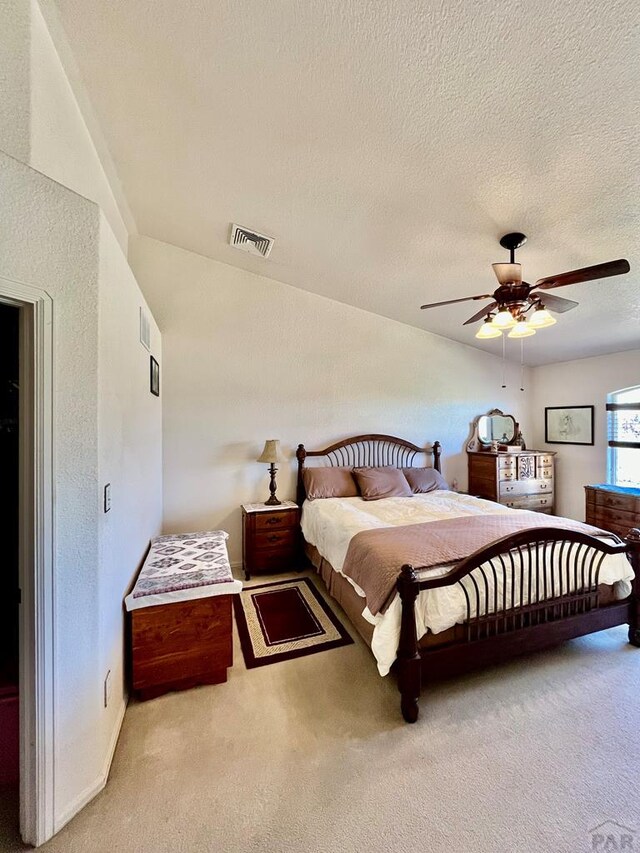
x: 522, y: 593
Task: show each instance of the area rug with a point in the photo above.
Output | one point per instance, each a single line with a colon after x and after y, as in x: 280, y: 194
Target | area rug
x: 285, y: 619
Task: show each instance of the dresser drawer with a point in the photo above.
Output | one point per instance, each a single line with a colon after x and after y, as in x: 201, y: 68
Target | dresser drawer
x: 545, y: 473
x: 526, y: 487
x: 276, y: 520
x: 611, y: 500
x: 604, y: 517
x: 545, y: 462
x: 542, y: 503
x: 507, y: 463
x: 507, y: 475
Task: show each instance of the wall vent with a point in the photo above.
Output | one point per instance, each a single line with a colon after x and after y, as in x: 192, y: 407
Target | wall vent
x: 250, y: 241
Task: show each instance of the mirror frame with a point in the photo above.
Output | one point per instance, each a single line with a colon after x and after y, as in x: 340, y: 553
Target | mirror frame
x: 476, y: 442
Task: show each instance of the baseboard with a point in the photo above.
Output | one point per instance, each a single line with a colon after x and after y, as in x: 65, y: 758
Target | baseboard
x: 85, y: 797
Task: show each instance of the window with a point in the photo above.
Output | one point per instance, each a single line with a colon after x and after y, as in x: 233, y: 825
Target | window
x: 623, y: 414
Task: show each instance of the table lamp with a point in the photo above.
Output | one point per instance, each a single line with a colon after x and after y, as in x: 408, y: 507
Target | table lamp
x: 272, y: 454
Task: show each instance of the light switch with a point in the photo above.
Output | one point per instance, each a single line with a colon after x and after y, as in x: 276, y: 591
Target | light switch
x: 107, y: 497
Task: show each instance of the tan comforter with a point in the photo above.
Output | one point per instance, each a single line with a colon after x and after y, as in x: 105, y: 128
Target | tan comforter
x: 375, y: 557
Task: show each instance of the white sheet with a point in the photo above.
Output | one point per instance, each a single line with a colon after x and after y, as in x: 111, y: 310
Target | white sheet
x: 330, y: 524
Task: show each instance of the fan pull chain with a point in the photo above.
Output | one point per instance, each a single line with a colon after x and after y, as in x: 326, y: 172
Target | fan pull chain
x: 504, y: 384
x: 522, y: 364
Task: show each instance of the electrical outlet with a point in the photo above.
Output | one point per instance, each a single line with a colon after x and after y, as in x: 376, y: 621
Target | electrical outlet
x: 107, y: 689
x: 107, y: 497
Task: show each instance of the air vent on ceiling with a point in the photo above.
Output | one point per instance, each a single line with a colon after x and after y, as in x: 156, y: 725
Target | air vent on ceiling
x: 250, y: 241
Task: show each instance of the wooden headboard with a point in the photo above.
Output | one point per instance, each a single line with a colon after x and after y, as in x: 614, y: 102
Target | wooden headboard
x: 366, y: 451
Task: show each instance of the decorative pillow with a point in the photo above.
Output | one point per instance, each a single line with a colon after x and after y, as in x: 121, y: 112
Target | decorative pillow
x: 423, y: 480
x: 376, y: 483
x: 329, y: 483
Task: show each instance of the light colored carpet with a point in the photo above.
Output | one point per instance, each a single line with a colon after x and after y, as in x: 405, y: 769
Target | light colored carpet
x: 312, y: 755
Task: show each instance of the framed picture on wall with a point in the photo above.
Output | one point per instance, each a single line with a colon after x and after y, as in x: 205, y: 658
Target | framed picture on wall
x: 568, y: 424
x: 145, y: 329
x: 154, y: 377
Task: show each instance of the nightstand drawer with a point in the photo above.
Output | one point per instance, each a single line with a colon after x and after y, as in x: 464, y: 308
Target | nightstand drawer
x: 282, y: 538
x: 276, y: 519
x: 273, y: 560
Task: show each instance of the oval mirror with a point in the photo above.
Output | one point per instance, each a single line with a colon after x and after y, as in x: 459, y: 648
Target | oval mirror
x: 496, y: 427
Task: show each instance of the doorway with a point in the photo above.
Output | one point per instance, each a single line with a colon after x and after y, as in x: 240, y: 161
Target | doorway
x: 9, y: 565
x: 26, y: 568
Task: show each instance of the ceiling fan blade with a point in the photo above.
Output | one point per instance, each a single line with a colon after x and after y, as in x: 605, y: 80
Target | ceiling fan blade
x: 557, y: 304
x: 618, y: 267
x: 453, y: 301
x: 482, y: 313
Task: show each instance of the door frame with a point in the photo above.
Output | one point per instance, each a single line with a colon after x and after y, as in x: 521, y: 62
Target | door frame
x: 36, y: 563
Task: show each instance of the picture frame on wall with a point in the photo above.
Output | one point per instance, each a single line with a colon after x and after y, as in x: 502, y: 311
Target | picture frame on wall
x: 145, y: 329
x: 154, y: 377
x: 568, y: 424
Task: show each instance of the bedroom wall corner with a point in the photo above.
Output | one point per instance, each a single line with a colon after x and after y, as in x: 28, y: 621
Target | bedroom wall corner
x: 586, y: 381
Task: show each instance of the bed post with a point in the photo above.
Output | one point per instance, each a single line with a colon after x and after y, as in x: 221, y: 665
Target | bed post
x: 409, y: 661
x: 436, y: 449
x: 301, y: 455
x: 633, y: 541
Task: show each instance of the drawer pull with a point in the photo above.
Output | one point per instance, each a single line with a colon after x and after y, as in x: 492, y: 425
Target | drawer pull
x: 274, y: 537
x: 273, y: 520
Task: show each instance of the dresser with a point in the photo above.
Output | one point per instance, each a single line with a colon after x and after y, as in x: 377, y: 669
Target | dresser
x: 614, y: 508
x: 522, y: 480
x: 271, y: 539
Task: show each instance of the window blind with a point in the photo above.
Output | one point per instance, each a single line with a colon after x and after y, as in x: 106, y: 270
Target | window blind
x: 623, y: 424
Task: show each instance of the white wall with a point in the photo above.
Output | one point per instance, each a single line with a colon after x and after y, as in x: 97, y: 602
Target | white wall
x: 107, y: 424
x: 15, y: 78
x: 107, y: 428
x: 583, y: 382
x: 247, y: 358
x: 49, y: 238
x: 129, y: 457
x: 40, y: 120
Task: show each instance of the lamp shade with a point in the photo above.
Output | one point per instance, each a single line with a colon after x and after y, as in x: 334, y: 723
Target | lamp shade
x: 488, y: 330
x: 541, y: 318
x: 504, y: 319
x: 508, y: 273
x: 521, y: 330
x: 271, y: 452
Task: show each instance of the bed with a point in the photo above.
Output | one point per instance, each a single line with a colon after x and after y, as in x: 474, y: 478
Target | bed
x: 439, y: 583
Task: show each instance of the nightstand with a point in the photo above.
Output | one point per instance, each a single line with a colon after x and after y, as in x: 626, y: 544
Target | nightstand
x: 270, y: 538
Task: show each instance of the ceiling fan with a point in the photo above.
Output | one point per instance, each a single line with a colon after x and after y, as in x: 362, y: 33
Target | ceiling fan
x: 514, y: 298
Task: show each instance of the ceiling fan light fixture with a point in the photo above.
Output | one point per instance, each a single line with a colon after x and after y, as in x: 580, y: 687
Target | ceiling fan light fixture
x: 522, y: 329
x: 504, y: 319
x: 541, y: 318
x: 488, y: 330
x: 508, y: 273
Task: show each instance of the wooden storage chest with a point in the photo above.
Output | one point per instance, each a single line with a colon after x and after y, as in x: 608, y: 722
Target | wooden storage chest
x: 181, y: 614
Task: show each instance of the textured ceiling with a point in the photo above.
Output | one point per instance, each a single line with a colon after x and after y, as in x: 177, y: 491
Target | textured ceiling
x: 385, y: 145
